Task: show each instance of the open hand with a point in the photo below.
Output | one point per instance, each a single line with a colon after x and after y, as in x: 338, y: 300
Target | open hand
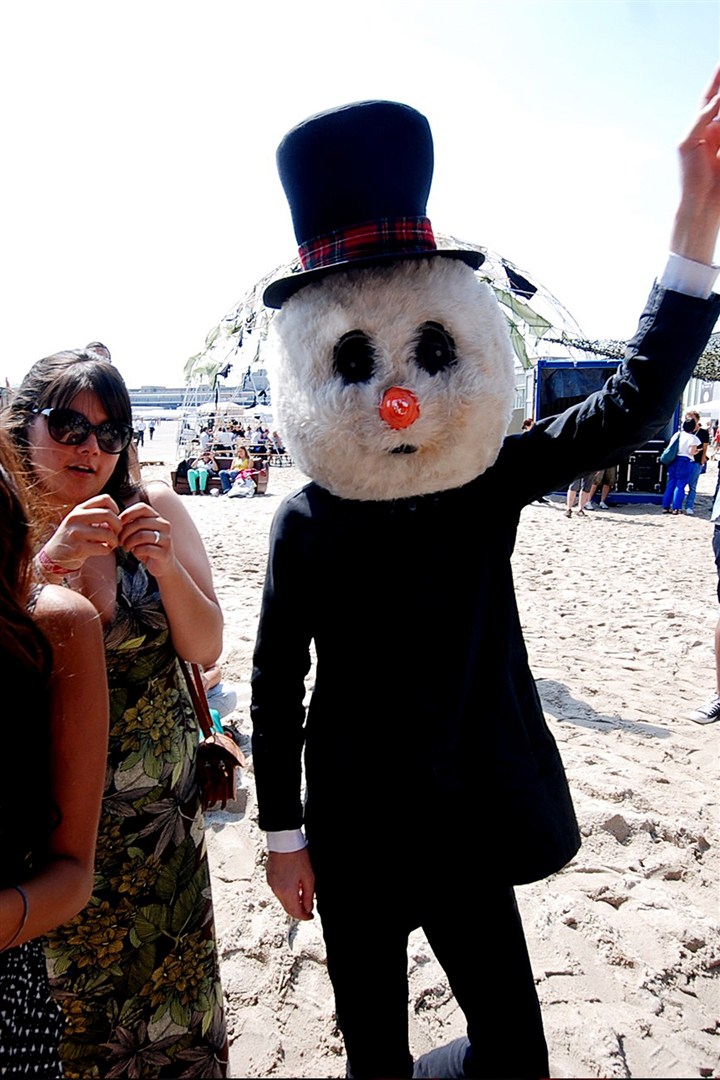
x: 698, y: 218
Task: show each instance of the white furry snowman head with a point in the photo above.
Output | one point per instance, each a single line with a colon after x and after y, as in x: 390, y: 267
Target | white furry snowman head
x: 395, y: 370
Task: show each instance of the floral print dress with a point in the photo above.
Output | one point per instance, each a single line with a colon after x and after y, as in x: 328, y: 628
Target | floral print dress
x: 136, y: 972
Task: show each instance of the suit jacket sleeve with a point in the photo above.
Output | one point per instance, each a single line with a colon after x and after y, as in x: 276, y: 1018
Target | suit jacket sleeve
x: 630, y: 409
x: 281, y: 662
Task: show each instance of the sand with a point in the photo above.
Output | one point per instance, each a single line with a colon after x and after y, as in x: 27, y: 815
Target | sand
x: 619, y: 610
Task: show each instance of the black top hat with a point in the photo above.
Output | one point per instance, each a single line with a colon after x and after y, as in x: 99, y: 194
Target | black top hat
x: 357, y: 179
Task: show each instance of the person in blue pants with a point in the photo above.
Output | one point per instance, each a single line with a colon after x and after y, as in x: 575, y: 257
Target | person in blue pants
x: 698, y: 461
x: 679, y: 472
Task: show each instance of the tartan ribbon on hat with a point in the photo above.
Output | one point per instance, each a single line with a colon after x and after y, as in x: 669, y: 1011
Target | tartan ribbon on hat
x: 386, y: 236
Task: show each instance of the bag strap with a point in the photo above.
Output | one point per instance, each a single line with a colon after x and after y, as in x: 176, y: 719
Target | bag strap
x: 194, y: 682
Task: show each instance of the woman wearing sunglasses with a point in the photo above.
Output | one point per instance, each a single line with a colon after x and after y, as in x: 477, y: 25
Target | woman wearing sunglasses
x: 52, y: 771
x: 137, y: 971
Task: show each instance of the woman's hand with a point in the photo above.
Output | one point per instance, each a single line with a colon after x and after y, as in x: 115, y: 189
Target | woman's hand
x: 149, y: 537
x: 91, y: 528
x: 180, y: 564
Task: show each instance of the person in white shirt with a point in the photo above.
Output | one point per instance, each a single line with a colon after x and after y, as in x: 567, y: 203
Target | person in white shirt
x: 680, y: 470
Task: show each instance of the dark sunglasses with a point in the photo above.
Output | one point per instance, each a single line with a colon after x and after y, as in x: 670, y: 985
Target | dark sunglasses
x: 72, y: 428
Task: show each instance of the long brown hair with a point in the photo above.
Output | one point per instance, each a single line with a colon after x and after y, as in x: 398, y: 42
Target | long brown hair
x: 53, y: 383
x: 27, y: 812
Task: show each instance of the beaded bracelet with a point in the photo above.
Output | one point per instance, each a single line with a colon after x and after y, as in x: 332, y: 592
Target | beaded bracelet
x: 49, y: 566
x: 24, y: 919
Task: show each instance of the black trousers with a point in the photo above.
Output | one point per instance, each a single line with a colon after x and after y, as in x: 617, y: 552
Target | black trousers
x: 475, y: 931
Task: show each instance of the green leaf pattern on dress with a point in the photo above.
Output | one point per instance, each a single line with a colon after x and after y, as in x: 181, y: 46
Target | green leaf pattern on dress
x: 137, y: 971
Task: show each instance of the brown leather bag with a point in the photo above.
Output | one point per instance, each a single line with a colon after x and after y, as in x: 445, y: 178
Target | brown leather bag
x: 218, y: 756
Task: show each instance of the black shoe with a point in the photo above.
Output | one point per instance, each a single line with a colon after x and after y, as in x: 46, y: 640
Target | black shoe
x: 239, y: 738
x: 708, y: 713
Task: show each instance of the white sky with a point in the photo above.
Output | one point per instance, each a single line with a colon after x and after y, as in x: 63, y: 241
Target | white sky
x: 138, y: 193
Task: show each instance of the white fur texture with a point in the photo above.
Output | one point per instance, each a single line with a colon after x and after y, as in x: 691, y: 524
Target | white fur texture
x: 335, y: 432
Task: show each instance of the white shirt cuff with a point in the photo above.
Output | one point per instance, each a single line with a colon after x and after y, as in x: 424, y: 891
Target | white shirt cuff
x: 687, y: 276
x: 286, y: 840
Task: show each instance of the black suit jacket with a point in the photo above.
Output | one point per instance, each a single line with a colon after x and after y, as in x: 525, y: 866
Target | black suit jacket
x: 424, y: 707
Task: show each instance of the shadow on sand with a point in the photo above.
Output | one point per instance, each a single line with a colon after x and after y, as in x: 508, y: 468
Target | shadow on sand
x: 559, y: 703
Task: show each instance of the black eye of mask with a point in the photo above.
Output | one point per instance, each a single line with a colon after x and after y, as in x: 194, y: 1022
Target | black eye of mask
x: 436, y: 349
x: 354, y: 357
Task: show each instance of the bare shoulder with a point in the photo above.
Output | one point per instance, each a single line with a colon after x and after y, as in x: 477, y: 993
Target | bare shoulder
x: 157, y: 486
x: 60, y: 613
x: 171, y: 506
x: 162, y: 497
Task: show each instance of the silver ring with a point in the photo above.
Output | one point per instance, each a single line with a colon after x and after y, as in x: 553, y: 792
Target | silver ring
x: 157, y: 537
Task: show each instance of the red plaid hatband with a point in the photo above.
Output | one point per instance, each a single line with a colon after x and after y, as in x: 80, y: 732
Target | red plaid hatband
x: 387, y: 236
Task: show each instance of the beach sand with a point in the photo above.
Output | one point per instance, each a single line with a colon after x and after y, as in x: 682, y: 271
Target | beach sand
x: 619, y: 610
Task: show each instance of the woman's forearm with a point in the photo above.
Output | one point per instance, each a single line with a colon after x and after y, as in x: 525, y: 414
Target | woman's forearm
x: 195, y: 620
x: 54, y: 896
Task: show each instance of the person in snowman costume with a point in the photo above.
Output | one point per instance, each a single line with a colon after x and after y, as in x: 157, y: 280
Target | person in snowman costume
x: 432, y: 783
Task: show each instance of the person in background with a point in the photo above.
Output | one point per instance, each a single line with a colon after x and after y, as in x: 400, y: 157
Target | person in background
x: 240, y: 461
x: 221, y: 696
x: 679, y: 469
x: 222, y: 439
x: 52, y: 772
x: 607, y: 483
x: 698, y: 462
x: 605, y: 480
x: 715, y: 441
x: 137, y: 971
x: 586, y: 485
x: 199, y: 471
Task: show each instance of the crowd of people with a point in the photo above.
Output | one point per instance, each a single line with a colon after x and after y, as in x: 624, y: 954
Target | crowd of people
x: 100, y: 940
x: 228, y: 434
x: 108, y: 957
x: 694, y: 443
x: 141, y: 427
x: 69, y: 478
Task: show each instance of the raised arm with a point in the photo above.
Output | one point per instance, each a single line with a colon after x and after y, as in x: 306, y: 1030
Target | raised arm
x: 695, y: 229
x: 672, y: 333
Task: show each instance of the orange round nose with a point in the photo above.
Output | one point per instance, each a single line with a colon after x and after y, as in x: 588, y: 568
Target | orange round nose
x: 399, y: 407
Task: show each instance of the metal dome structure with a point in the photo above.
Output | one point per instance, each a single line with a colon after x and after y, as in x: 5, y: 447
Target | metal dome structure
x: 540, y: 326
